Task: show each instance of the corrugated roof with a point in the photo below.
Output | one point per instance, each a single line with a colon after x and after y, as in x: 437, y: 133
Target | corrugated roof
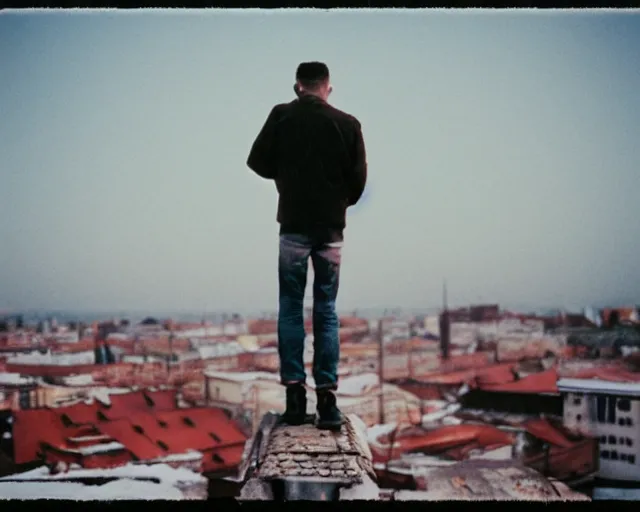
x: 599, y: 386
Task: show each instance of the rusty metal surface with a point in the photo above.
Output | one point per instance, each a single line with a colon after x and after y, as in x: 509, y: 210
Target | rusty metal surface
x: 306, y: 453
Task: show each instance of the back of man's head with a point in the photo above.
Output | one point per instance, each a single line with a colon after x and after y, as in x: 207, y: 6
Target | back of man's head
x: 313, y: 78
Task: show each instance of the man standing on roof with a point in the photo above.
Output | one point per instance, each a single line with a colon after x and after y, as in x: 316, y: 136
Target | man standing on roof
x: 315, y: 153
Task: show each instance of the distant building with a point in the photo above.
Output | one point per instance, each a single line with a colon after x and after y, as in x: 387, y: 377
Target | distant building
x: 610, y: 411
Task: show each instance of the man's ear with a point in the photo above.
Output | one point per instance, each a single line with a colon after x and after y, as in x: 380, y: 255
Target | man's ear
x: 296, y: 89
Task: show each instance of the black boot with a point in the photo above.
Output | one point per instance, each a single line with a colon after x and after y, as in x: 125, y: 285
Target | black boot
x: 329, y: 416
x: 296, y: 405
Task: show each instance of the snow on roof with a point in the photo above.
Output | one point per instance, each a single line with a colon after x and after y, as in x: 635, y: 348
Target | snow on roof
x: 241, y: 376
x: 97, y: 448
x: 102, y: 394
x: 162, y: 472
x: 599, y: 386
x: 502, y: 453
x: 14, y: 379
x: 374, y: 432
x: 85, y: 379
x: 118, y: 336
x: 267, y: 350
x: 440, y: 414
x: 141, y: 359
x: 188, y: 456
x: 358, y: 384
x: 87, y: 438
x: 48, y: 358
x: 116, y: 490
x: 223, y: 348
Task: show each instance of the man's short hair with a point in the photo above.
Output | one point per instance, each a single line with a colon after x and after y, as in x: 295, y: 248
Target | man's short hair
x: 312, y: 74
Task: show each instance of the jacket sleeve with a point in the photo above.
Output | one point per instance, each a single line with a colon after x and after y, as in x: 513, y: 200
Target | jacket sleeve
x: 261, y: 157
x: 358, y: 176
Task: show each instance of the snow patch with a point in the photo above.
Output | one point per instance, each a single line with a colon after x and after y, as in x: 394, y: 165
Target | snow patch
x: 14, y: 379
x: 117, y: 490
x: 100, y: 448
x: 162, y: 472
x: 240, y: 376
x: 49, y: 359
x: 85, y: 379
x: 188, y: 456
x: 376, y: 431
x: 221, y: 349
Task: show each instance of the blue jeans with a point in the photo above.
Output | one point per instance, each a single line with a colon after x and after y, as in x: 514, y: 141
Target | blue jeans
x: 295, y: 251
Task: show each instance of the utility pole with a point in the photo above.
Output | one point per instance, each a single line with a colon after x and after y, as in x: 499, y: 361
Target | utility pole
x: 170, y: 349
x: 380, y: 369
x: 445, y: 325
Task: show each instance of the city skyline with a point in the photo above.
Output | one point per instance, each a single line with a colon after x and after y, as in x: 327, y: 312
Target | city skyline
x: 501, y: 152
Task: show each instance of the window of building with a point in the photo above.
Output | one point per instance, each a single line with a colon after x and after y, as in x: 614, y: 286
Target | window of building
x: 612, y: 440
x: 621, y: 421
x: 577, y: 400
x: 604, y: 454
x: 629, y: 422
x: 611, y: 410
x: 614, y: 455
x: 629, y: 441
x: 624, y: 404
x: 603, y: 439
x: 623, y: 456
x: 631, y: 459
x: 579, y: 417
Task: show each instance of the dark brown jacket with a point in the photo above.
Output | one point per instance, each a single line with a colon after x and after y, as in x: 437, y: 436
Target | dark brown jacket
x: 315, y: 154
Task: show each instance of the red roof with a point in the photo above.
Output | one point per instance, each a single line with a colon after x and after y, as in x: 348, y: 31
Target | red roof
x: 163, y: 399
x: 138, y: 444
x: 35, y: 426
x: 149, y: 436
x: 498, y: 374
x: 451, y: 436
x: 223, y: 458
x: 543, y: 382
x: 494, y: 374
x: 79, y: 413
x: 125, y: 405
x: 612, y: 373
x: 541, y: 428
x: 209, y: 425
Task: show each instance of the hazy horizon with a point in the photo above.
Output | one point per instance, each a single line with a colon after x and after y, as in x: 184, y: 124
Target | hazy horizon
x: 502, y: 147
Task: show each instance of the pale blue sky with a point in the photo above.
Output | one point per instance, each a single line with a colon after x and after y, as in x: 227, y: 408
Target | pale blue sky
x: 503, y: 155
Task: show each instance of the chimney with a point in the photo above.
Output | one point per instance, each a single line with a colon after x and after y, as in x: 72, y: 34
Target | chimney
x: 445, y: 326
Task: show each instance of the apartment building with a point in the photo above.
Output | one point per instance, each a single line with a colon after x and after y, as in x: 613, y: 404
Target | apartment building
x: 611, y: 412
